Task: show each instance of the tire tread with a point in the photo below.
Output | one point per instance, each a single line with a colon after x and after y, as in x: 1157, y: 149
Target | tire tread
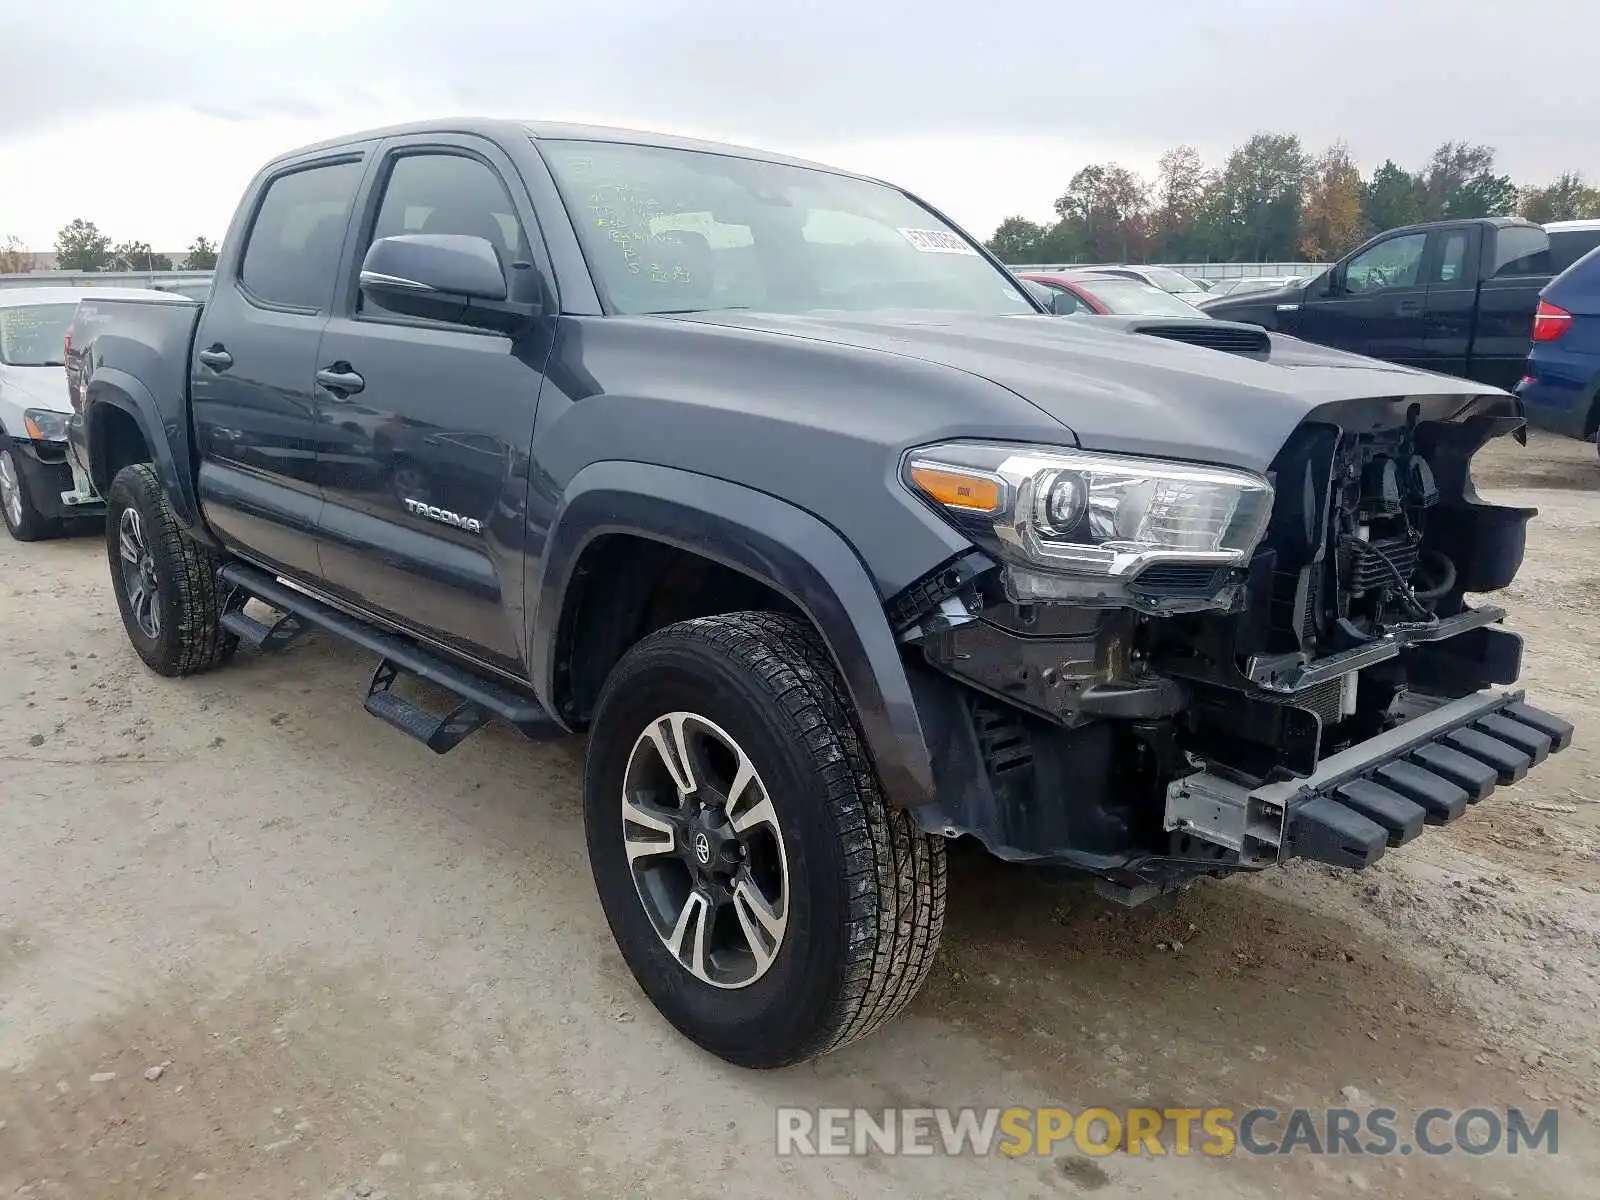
x: 895, y: 875
x: 200, y: 643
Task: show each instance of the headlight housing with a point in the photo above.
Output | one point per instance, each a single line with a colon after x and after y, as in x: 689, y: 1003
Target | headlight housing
x: 1080, y: 526
x: 45, y: 426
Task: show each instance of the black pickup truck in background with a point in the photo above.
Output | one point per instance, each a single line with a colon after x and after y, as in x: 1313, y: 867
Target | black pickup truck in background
x: 1451, y: 296
x: 834, y: 542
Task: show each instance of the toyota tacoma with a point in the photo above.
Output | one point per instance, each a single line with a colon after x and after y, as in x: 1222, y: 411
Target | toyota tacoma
x: 834, y: 541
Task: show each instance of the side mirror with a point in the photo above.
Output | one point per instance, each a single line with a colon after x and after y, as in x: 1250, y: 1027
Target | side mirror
x: 442, y: 276
x: 1064, y: 304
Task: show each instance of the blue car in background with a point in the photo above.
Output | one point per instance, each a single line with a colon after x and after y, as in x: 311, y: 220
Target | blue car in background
x: 1562, y: 377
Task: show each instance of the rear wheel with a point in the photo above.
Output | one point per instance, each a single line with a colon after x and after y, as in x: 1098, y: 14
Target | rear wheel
x: 166, y: 582
x: 765, y: 897
x: 23, y: 521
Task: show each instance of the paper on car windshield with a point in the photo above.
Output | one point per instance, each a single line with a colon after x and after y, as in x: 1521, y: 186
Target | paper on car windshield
x: 937, y: 241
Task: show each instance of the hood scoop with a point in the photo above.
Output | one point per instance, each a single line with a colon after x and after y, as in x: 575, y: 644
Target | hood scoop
x: 1248, y: 340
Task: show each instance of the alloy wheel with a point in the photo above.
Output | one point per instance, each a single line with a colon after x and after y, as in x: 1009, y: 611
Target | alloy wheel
x: 139, y: 574
x: 10, y: 489
x: 705, y: 850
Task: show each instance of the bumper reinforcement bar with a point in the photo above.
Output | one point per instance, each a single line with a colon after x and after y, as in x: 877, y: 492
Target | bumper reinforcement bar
x: 1377, y: 794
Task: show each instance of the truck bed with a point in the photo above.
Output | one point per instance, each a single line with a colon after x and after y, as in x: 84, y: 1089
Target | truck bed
x: 138, y: 353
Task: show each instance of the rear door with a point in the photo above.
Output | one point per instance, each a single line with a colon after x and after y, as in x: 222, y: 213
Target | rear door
x: 1451, y: 270
x: 254, y: 400
x: 1519, y: 267
x: 425, y: 466
x: 1374, y: 304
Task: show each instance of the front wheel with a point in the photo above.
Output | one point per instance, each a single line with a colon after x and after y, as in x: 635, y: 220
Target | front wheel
x: 765, y: 897
x: 166, y: 582
x: 23, y: 521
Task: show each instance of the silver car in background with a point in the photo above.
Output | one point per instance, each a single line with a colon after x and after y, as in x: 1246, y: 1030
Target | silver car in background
x: 40, y: 487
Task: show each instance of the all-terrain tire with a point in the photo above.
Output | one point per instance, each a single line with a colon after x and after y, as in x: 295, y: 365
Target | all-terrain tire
x: 866, y: 894
x: 189, y: 597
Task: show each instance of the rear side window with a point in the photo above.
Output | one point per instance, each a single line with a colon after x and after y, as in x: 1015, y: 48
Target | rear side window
x: 1521, y: 250
x: 1567, y: 246
x: 292, y: 254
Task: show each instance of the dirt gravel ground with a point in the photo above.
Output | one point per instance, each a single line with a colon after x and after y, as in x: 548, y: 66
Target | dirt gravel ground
x: 366, y: 971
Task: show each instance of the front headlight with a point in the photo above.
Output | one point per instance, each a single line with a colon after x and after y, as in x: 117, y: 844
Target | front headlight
x: 45, y: 426
x: 1082, y: 526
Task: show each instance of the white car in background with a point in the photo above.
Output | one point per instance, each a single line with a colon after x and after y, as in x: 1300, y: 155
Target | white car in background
x: 40, y: 488
x: 1165, y: 278
x: 1233, y: 288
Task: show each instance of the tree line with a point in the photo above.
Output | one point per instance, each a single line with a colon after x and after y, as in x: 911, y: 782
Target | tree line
x: 81, y: 246
x: 1272, y: 201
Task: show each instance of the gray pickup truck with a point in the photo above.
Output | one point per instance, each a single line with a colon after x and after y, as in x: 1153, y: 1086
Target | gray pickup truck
x: 834, y: 541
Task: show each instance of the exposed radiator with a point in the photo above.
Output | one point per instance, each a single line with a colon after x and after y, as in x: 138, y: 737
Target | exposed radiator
x: 1368, y: 569
x: 1322, y: 699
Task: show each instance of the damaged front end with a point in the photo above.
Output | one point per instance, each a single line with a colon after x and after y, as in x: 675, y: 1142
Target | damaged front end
x: 1172, y: 671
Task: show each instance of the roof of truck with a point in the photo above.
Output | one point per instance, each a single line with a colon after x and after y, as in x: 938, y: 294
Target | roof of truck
x: 1493, y: 222
x: 503, y: 130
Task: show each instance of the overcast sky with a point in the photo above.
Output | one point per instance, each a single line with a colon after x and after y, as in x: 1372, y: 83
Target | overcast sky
x: 149, y: 117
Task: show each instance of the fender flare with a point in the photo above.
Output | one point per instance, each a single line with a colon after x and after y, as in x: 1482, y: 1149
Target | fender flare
x: 168, y: 442
x: 770, y: 540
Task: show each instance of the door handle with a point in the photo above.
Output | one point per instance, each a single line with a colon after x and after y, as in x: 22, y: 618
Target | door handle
x: 216, y: 358
x: 340, y: 380
x: 1408, y: 306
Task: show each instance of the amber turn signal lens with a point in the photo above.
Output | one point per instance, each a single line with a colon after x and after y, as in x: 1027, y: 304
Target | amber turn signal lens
x: 956, y: 489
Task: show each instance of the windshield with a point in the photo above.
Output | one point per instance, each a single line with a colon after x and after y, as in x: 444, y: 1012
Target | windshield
x: 1172, y: 281
x: 1130, y: 298
x: 668, y: 230
x: 31, y: 335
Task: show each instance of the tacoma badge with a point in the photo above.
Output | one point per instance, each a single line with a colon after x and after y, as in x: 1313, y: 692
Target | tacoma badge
x: 445, y: 516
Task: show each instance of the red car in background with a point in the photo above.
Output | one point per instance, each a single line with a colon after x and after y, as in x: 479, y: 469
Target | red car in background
x: 1113, y: 295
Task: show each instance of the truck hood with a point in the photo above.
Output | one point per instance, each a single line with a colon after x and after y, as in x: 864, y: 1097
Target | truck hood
x: 1119, y: 386
x: 1257, y: 308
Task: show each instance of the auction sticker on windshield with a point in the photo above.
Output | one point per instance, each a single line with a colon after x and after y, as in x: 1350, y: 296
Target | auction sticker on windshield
x: 937, y: 241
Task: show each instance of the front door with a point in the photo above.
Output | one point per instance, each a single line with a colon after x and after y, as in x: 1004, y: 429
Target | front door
x: 254, y: 400
x: 1375, y: 305
x: 427, y: 424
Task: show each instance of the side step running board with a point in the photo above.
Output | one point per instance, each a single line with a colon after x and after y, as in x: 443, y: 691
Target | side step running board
x: 480, y: 699
x: 437, y: 733
x: 267, y: 638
